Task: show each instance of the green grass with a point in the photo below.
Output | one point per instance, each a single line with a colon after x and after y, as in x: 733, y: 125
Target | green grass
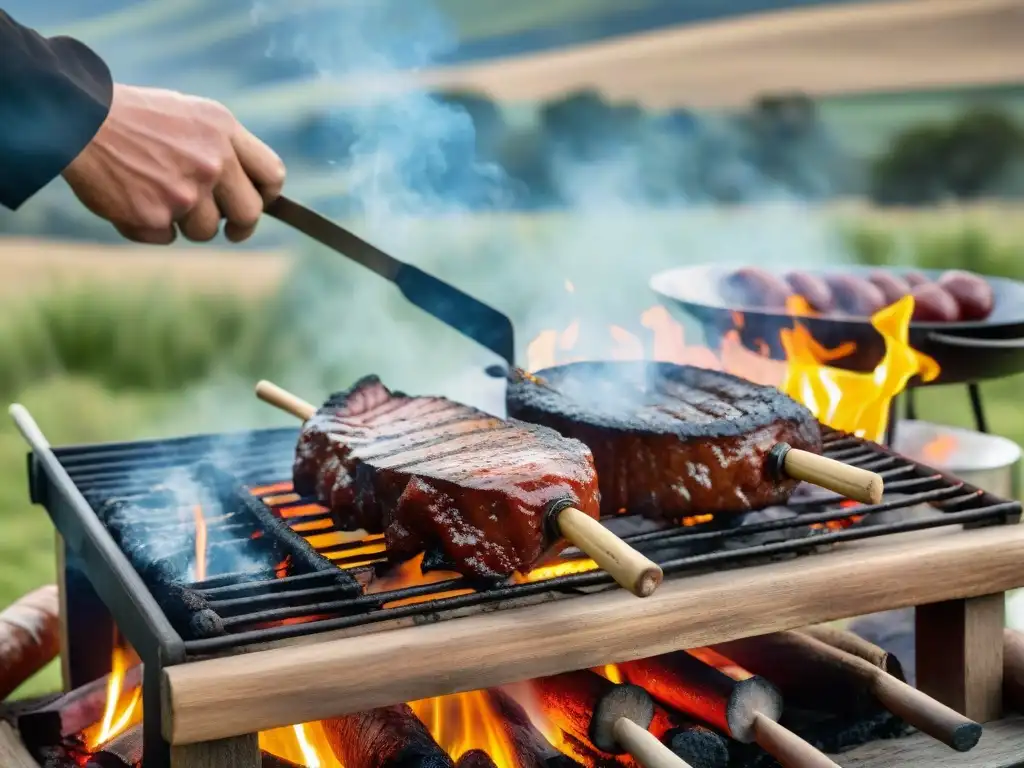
x: 96, y: 364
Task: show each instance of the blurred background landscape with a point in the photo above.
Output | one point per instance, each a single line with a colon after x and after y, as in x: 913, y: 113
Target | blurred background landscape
x: 548, y: 157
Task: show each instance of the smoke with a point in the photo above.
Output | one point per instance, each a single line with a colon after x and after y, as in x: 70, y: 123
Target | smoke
x: 413, y: 184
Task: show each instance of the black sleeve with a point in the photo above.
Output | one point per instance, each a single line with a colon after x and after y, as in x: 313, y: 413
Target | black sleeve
x: 54, y: 95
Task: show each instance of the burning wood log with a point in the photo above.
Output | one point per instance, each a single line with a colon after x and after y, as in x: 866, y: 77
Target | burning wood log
x: 72, y: 712
x: 29, y: 637
x: 475, y: 758
x: 857, y: 646
x: 814, y: 675
x: 123, y: 751
x: 542, y: 525
x: 614, y: 719
x: 1013, y: 669
x: 529, y: 746
x: 386, y: 737
x: 748, y: 710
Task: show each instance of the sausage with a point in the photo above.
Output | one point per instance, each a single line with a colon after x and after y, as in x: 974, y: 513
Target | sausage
x: 972, y: 293
x: 753, y: 287
x: 29, y: 637
x: 916, y: 278
x: 813, y: 288
x: 933, y: 304
x: 893, y: 287
x: 855, y: 295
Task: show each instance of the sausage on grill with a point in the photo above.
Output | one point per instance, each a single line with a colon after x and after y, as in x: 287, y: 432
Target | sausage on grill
x: 670, y: 440
x: 441, y: 477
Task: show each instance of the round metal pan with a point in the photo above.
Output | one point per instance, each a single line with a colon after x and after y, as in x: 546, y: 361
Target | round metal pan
x: 965, y: 351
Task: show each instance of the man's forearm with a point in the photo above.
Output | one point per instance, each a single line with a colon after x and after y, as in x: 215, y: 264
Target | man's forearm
x: 54, y: 95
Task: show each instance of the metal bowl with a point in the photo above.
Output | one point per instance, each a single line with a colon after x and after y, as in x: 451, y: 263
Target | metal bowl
x: 965, y: 351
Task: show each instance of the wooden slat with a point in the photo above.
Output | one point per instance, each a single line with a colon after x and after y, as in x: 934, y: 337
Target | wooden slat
x: 238, y: 752
x: 1000, y: 747
x: 12, y: 752
x: 960, y: 654
x: 223, y: 697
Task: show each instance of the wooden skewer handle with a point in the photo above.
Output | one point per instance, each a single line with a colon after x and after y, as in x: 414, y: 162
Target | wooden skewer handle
x: 852, y: 482
x: 925, y: 713
x: 630, y: 569
x: 644, y: 746
x: 269, y: 392
x: 786, y: 747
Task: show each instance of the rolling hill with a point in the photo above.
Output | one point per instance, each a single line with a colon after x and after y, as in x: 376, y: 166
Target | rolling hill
x: 906, y: 45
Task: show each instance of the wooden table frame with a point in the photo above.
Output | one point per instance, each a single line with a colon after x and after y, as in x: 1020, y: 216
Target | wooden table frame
x: 214, y: 708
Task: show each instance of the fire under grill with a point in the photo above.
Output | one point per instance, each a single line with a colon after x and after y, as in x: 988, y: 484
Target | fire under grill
x: 305, y: 576
x: 267, y: 572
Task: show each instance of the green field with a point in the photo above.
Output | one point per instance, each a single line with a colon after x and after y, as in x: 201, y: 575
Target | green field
x: 109, y: 363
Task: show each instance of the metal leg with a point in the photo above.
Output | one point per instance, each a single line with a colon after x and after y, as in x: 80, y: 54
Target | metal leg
x: 156, y: 750
x: 890, y: 429
x: 911, y: 404
x: 980, y: 423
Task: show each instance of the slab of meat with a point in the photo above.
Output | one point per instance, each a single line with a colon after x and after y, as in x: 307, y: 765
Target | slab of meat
x: 437, y: 476
x: 670, y: 440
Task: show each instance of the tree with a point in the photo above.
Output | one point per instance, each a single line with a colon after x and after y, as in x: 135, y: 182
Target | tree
x: 966, y: 158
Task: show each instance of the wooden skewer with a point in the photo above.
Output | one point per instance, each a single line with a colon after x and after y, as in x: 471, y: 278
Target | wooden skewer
x: 810, y: 673
x: 747, y: 710
x: 852, y: 482
x: 620, y: 722
x: 630, y: 569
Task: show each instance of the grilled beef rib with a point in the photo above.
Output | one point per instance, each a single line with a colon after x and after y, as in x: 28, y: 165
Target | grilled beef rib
x: 437, y: 476
x: 670, y: 440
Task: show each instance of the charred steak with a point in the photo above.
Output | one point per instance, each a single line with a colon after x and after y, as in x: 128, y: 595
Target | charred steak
x: 670, y: 440
x: 435, y: 476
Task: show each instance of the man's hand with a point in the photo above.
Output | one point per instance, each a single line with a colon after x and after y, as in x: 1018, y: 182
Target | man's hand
x: 163, y: 159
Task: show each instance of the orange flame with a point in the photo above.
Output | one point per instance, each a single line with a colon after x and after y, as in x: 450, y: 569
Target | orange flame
x: 846, y: 400
x: 197, y: 513
x: 459, y: 723
x: 123, y: 708
x: 939, y: 449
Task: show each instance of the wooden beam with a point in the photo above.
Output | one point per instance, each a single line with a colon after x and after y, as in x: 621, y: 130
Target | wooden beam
x: 959, y: 648
x: 237, y: 752
x: 216, y: 698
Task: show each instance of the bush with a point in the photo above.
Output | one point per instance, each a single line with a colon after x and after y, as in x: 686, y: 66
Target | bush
x: 143, y: 339
x: 963, y: 159
x: 967, y: 246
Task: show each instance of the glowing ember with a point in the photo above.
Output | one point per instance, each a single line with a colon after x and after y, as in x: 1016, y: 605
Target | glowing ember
x: 561, y: 568
x: 197, y: 513
x: 724, y: 665
x: 610, y: 672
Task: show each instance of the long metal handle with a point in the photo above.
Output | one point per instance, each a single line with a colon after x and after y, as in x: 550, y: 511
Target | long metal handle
x: 334, y: 236
x: 27, y: 426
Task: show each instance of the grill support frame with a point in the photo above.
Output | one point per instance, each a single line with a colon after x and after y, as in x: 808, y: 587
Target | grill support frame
x: 174, y: 743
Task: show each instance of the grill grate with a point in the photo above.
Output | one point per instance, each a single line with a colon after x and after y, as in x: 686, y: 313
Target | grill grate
x: 274, y: 604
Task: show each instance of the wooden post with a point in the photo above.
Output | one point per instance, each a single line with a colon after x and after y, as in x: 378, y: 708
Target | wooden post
x: 237, y: 752
x: 960, y: 654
